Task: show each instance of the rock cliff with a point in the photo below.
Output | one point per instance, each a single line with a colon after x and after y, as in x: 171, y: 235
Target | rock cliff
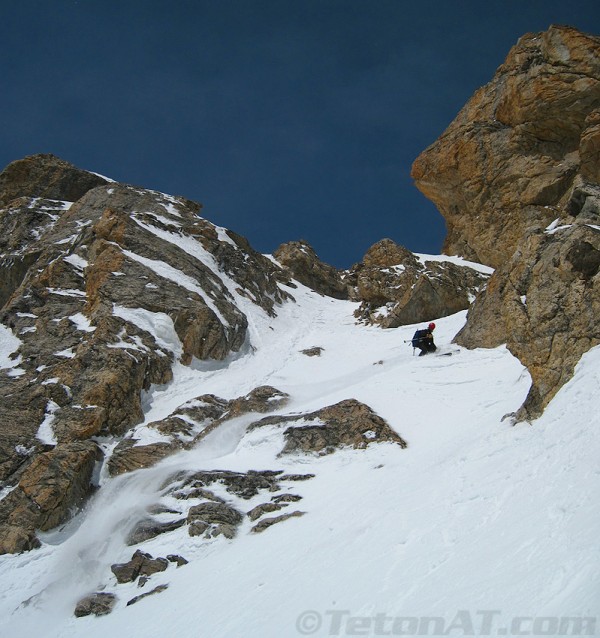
x: 508, y: 162
x: 516, y: 175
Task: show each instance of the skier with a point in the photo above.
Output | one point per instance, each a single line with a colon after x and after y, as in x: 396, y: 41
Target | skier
x: 423, y: 339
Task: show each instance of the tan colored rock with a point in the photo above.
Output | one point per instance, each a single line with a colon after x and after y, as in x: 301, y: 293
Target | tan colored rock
x: 302, y: 263
x: 52, y: 486
x: 97, y: 604
x: 510, y: 157
x: 395, y: 288
x: 59, y: 481
x: 544, y: 304
x: 265, y: 523
x: 128, y: 457
x: 386, y: 253
x: 45, y: 176
x: 589, y: 149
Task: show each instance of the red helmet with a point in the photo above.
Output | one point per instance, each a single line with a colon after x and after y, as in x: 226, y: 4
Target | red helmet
x: 431, y: 326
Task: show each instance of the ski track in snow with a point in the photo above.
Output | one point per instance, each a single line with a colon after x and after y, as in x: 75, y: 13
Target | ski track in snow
x: 473, y: 515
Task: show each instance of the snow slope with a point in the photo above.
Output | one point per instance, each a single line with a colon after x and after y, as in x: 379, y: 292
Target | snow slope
x: 476, y: 521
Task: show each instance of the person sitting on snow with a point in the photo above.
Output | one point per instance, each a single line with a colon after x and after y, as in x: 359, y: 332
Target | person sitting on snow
x: 423, y: 339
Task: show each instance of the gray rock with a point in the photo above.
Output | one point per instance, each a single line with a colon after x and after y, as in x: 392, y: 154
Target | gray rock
x: 348, y: 423
x: 396, y: 289
x: 156, y: 590
x: 98, y: 604
x: 175, y: 558
x: 312, y: 352
x: 150, y: 528
x: 265, y: 523
x: 264, y: 508
x: 141, y: 564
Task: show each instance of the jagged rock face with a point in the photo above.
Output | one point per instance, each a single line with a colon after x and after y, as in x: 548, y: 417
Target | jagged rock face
x: 510, y: 157
x: 48, y: 177
x: 301, y: 262
x: 517, y: 177
x: 545, y: 305
x: 50, y: 487
x: 396, y: 288
x: 106, y: 286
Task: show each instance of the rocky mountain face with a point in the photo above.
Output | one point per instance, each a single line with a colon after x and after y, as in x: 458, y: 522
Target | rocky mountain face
x: 106, y: 286
x: 508, y: 162
x: 394, y: 286
x: 517, y: 177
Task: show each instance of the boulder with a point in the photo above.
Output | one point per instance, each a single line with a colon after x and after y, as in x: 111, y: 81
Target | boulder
x: 149, y: 528
x: 97, y: 604
x: 141, y: 564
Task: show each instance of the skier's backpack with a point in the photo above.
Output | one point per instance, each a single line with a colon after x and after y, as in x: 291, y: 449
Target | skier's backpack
x: 418, y: 338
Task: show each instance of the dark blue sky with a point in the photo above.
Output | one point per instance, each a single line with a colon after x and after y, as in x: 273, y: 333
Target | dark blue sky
x: 287, y: 119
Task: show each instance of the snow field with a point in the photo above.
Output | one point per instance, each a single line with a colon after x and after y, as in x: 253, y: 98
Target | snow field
x: 474, y: 515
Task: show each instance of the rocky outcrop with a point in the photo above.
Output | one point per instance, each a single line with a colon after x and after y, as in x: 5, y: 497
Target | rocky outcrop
x: 52, y: 486
x: 213, y: 519
x: 141, y: 564
x: 300, y: 262
x: 46, y: 176
x: 106, y: 286
x: 397, y: 288
x: 545, y: 307
x: 265, y: 523
x: 157, y: 590
x: 507, y: 163
x: 348, y: 423
x: 516, y: 176
x: 188, y: 424
x: 149, y: 528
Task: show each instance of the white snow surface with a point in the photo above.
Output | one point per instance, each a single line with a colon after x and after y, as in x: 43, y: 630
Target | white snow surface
x: 8, y: 345
x: 458, y: 261
x: 476, y: 516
